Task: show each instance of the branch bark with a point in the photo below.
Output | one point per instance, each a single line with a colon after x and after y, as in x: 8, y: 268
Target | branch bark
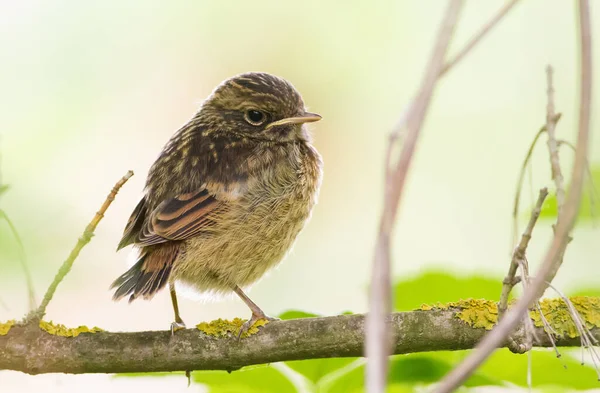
x: 31, y: 350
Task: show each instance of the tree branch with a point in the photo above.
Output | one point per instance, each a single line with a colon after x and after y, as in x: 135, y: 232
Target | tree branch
x: 31, y: 350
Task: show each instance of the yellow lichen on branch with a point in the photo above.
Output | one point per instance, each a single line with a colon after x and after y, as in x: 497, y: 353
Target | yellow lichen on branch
x: 481, y: 313
x: 5, y: 327
x: 63, y: 331
x: 557, y: 313
x: 223, y: 327
x: 478, y: 313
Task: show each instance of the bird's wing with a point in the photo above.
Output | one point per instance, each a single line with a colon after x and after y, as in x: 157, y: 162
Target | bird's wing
x: 181, y: 217
x: 134, y: 225
x: 177, y: 218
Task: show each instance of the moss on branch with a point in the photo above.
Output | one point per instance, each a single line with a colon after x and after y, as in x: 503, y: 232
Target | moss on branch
x: 214, y: 346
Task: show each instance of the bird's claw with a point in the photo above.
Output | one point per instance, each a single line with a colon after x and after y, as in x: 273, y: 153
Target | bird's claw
x: 249, y: 323
x: 175, y: 326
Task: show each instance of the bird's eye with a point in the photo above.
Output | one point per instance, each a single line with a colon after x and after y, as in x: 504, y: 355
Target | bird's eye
x: 255, y: 117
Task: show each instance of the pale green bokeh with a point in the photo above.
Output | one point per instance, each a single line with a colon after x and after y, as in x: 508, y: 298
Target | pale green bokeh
x: 92, y: 89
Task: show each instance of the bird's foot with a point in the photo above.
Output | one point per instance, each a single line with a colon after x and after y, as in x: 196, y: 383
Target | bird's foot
x: 177, y: 325
x: 255, y: 318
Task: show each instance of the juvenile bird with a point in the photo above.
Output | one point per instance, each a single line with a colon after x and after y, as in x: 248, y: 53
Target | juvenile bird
x: 227, y: 196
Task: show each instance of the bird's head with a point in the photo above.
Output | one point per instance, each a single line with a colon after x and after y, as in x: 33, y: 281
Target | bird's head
x: 258, y: 106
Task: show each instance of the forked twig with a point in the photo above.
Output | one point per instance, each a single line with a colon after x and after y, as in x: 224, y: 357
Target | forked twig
x: 480, y: 34
x: 517, y: 200
x: 377, y: 340
x: 410, y: 120
x: 471, y: 44
x: 83, y: 240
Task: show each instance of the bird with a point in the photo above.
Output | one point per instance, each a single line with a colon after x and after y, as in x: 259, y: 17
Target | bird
x: 227, y: 196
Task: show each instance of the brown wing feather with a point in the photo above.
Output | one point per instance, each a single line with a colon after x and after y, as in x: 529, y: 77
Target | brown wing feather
x: 180, y: 218
x: 134, y: 225
x: 159, y: 236
x: 149, y: 275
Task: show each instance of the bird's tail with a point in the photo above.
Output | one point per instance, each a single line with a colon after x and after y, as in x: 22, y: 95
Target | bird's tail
x: 149, y: 275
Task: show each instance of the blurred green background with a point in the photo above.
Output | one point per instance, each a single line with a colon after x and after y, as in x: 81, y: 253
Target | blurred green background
x: 92, y: 89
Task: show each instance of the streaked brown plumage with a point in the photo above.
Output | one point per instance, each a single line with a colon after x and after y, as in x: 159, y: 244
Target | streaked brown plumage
x: 227, y: 196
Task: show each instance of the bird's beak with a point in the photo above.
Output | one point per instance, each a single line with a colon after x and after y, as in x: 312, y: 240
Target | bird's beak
x: 307, y: 117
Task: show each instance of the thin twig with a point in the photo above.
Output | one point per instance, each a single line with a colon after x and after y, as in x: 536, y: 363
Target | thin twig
x: 587, y: 338
x: 22, y: 255
x: 377, y: 331
x: 530, y: 334
x: 477, y: 37
x: 472, y: 43
x: 527, y: 160
x: 557, y: 175
x: 22, y: 259
x: 519, y: 253
x: 593, y: 192
x: 581, y: 154
x: 548, y: 329
x: 568, y: 215
x: 83, y: 240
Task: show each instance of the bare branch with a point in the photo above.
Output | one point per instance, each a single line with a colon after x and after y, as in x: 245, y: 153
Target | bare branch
x: 480, y: 34
x: 38, y: 314
x: 581, y: 151
x: 519, y: 252
x: 566, y: 221
x: 522, y: 177
x: 593, y: 191
x: 378, y: 334
x: 22, y: 259
x: 22, y: 255
x: 28, y: 349
x: 552, y: 144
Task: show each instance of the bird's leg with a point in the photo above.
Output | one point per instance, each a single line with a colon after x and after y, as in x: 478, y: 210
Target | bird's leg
x: 257, y: 313
x: 178, y: 324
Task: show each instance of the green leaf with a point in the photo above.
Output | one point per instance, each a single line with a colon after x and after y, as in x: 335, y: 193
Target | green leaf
x: 546, y: 370
x: 502, y: 367
x: 3, y: 189
x: 429, y: 368
x: 408, y: 371
x: 587, y: 211
x: 433, y: 286
x: 315, y: 369
x: 594, y: 292
x: 296, y: 314
x: 252, y: 379
x: 258, y: 379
